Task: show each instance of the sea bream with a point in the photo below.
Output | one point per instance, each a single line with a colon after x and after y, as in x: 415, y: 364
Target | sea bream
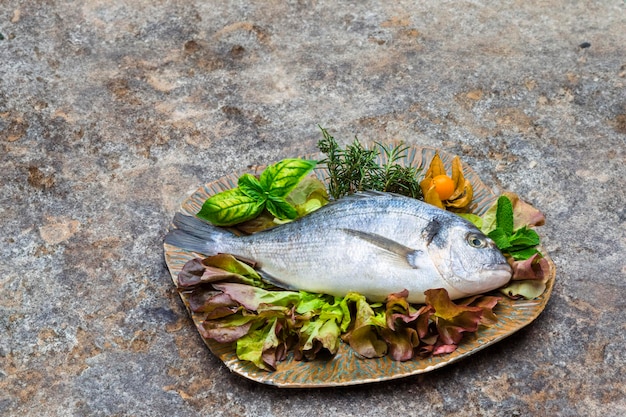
x: 372, y: 243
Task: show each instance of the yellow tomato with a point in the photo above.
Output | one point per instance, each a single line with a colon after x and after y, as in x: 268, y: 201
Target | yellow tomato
x: 444, y: 186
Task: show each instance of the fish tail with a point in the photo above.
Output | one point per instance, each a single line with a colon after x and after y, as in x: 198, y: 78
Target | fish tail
x: 195, y: 235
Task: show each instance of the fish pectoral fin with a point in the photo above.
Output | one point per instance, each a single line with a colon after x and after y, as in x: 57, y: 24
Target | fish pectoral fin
x: 272, y: 280
x: 394, y: 250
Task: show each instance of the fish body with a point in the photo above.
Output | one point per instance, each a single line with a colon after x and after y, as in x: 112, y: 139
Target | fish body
x: 372, y: 243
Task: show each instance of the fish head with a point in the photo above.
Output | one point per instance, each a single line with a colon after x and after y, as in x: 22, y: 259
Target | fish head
x: 468, y: 261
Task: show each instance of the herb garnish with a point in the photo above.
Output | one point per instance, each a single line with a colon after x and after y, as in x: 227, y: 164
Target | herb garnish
x: 253, y: 195
x: 520, y: 243
x: 355, y: 168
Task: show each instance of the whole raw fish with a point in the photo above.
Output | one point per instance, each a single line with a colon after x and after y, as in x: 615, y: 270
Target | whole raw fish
x: 371, y: 243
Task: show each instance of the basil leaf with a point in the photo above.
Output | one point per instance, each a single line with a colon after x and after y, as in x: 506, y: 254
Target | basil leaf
x: 279, y: 179
x: 230, y: 207
x: 504, y: 215
x: 251, y: 187
x: 281, y: 208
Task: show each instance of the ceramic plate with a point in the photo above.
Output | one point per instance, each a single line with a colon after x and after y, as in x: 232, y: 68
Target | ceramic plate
x: 346, y: 367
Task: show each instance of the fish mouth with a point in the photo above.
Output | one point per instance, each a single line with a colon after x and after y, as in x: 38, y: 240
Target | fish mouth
x: 498, y: 274
x: 498, y: 267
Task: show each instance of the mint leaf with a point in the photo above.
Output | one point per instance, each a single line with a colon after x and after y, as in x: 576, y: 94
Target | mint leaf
x: 524, y: 237
x: 230, y: 207
x: 251, y: 187
x: 523, y: 253
x: 504, y: 215
x: 279, y: 179
x: 500, y: 238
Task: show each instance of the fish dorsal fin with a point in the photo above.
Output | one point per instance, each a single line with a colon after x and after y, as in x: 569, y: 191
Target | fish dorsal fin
x: 399, y: 252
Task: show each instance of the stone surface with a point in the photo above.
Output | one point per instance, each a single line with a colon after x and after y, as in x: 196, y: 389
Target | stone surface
x: 112, y: 112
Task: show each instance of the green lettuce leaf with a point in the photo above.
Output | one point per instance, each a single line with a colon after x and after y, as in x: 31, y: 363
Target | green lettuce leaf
x: 474, y: 218
x: 363, y: 336
x: 323, y: 318
x: 263, y: 346
x: 252, y: 297
x: 309, y: 195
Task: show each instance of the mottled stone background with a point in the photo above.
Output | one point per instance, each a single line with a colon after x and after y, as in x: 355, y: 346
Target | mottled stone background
x: 112, y: 112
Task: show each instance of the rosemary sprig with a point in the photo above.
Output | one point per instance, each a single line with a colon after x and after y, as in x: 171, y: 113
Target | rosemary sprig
x: 355, y: 168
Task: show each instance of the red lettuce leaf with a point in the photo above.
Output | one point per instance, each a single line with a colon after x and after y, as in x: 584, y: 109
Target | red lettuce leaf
x: 535, y: 267
x: 452, y: 320
x: 363, y: 335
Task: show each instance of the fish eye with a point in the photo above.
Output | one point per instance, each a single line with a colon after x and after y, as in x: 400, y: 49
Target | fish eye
x: 476, y: 241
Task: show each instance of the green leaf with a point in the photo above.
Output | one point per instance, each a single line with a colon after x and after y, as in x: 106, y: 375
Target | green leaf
x: 250, y: 186
x: 254, y: 346
x: 523, y: 254
x: 475, y: 219
x: 321, y: 332
x: 323, y: 319
x: 279, y: 179
x: 524, y: 237
x: 309, y: 195
x: 500, y: 238
x: 504, y: 215
x: 527, y: 289
x: 230, y: 207
x: 281, y: 208
x: 489, y: 219
x: 252, y: 297
x: 364, y: 337
x: 231, y: 264
x: 312, y: 302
